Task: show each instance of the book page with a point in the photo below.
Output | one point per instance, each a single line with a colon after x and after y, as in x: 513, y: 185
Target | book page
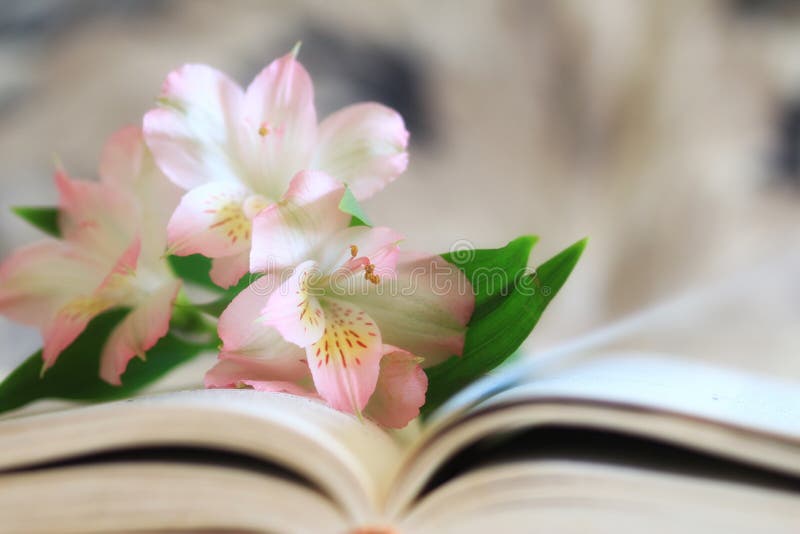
x: 572, y: 496
x: 147, y: 496
x: 349, y: 459
x: 724, y: 396
x: 734, y: 414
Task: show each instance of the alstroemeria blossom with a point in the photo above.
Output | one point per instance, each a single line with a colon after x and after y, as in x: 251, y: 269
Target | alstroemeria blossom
x: 110, y: 255
x: 350, y: 292
x: 235, y: 151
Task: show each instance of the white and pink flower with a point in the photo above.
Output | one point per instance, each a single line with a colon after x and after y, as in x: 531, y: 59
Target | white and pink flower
x: 235, y: 151
x: 354, y: 319
x: 110, y: 255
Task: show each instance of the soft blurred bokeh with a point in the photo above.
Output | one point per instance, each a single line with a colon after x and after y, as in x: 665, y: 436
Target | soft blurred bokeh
x: 666, y: 131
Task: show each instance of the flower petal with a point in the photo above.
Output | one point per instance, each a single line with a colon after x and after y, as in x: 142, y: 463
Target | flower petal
x: 127, y: 164
x: 280, y: 125
x: 210, y: 220
x: 293, y: 311
x: 359, y: 245
x: 247, y: 340
x: 287, y: 233
x: 364, y: 146
x: 280, y: 387
x: 193, y: 134
x: 424, y: 310
x: 400, y: 391
x: 138, y: 332
x: 345, y: 361
x: 71, y: 319
x: 38, y: 279
x: 101, y: 218
x: 228, y: 270
x: 122, y: 157
x: 124, y: 267
x: 241, y: 372
x: 67, y: 326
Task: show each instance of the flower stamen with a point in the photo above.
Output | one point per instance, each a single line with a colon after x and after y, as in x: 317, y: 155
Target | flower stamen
x: 369, y: 274
x: 353, y: 251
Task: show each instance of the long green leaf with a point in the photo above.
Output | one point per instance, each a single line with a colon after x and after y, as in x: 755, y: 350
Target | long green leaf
x: 45, y: 218
x: 75, y: 374
x: 493, y: 272
x: 496, y: 335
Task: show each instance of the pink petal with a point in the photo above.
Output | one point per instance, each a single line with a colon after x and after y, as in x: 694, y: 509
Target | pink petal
x: 210, y: 220
x: 364, y: 146
x: 234, y: 370
x: 138, y: 332
x: 72, y: 318
x: 376, y: 246
x: 193, y: 134
x: 38, y: 279
x: 66, y: 327
x: 293, y: 311
x: 97, y: 216
x: 280, y: 387
x: 287, y: 233
x: 247, y: 340
x: 125, y: 265
x: 280, y: 124
x: 122, y: 156
x: 128, y: 165
x: 400, y: 391
x: 228, y: 270
x: 424, y: 310
x: 235, y: 373
x: 346, y: 360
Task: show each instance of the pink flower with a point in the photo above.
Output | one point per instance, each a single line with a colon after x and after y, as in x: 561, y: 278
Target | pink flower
x: 356, y: 315
x: 110, y: 255
x: 235, y: 152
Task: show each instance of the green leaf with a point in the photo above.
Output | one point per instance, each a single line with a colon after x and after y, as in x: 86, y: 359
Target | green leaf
x: 350, y: 205
x: 75, y: 375
x: 215, y: 307
x: 44, y: 218
x: 194, y: 269
x: 493, y: 272
x: 493, y: 336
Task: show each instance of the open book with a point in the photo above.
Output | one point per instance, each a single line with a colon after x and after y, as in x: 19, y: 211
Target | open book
x: 622, y: 443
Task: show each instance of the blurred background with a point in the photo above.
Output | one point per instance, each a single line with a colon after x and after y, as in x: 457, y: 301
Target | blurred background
x: 667, y: 132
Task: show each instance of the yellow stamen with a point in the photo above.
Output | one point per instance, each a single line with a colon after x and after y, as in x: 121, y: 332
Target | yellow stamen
x: 263, y: 131
x: 353, y: 251
x: 369, y: 274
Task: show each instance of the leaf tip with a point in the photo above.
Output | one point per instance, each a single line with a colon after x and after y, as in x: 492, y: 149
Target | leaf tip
x: 530, y: 240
